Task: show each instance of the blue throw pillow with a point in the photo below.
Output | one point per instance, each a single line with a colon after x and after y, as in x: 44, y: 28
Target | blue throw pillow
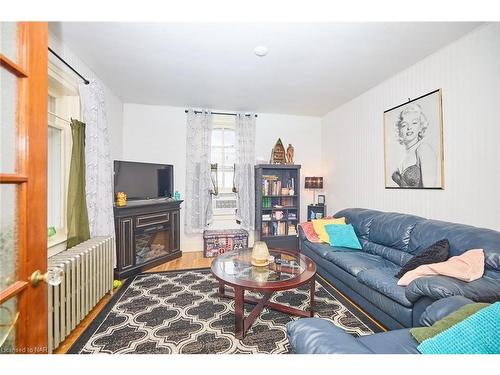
x: 342, y: 235
x: 477, y: 334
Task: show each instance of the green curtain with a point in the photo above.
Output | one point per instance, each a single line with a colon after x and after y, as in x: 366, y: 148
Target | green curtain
x: 78, y: 219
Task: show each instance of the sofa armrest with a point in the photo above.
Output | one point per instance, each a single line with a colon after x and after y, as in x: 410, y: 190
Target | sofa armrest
x: 485, y: 289
x: 442, y: 308
x: 302, y: 235
x: 319, y: 336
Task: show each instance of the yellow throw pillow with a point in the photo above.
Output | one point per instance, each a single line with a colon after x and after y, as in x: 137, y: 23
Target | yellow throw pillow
x: 319, y: 227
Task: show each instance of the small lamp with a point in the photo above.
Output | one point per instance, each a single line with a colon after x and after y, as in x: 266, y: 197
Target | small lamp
x: 260, y: 254
x: 314, y: 183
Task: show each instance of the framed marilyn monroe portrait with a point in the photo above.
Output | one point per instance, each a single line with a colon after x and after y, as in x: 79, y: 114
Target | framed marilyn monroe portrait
x: 413, y: 144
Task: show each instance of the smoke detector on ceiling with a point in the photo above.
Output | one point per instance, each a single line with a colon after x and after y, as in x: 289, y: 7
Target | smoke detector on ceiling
x: 261, y: 51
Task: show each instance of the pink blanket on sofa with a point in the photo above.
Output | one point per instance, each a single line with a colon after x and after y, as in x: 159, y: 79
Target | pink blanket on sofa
x: 468, y: 266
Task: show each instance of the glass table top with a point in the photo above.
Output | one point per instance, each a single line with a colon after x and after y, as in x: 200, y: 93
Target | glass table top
x: 237, y: 264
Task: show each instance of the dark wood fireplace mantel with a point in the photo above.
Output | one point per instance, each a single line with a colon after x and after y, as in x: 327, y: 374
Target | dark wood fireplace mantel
x: 147, y: 234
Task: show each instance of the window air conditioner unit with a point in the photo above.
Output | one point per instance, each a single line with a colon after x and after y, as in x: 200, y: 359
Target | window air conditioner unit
x: 224, y: 204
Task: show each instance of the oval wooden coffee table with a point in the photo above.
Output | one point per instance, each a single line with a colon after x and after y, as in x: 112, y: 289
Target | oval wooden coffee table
x: 288, y: 271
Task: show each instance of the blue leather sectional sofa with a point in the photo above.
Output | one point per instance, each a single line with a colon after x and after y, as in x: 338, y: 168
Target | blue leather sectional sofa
x: 388, y: 241
x: 320, y: 336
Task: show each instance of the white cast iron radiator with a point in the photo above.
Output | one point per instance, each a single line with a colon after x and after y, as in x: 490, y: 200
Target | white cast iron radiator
x: 88, y: 276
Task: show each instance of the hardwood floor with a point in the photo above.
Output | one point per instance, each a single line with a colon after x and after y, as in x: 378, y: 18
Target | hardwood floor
x: 188, y: 260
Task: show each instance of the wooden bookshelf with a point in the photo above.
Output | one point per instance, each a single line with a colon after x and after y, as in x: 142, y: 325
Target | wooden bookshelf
x: 279, y: 196
x: 277, y: 211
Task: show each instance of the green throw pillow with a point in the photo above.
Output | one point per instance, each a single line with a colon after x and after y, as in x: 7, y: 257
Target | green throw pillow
x: 423, y: 333
x: 477, y: 334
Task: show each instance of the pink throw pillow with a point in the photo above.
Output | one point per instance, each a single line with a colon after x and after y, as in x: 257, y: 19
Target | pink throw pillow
x: 468, y: 266
x: 309, y: 231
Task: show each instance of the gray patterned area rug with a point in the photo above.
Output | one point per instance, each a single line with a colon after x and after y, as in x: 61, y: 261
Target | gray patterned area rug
x: 181, y: 312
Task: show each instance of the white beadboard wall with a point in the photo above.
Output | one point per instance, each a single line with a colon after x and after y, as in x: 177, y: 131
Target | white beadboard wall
x: 468, y: 72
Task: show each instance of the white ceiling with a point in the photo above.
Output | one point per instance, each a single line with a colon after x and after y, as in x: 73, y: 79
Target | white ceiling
x: 311, y: 68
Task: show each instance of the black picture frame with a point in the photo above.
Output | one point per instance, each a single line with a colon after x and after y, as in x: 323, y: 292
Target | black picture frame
x: 321, y: 200
x: 427, y: 146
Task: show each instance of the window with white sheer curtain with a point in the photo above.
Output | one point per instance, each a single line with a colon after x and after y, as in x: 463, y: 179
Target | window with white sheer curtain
x: 223, y: 151
x: 63, y: 104
x: 244, y: 170
x: 198, y: 213
x: 56, y: 156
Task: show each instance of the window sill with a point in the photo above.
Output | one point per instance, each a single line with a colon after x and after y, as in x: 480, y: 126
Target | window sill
x: 56, y: 240
x: 224, y: 217
x: 56, y: 244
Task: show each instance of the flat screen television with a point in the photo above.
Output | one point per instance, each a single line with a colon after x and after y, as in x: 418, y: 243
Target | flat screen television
x: 144, y: 180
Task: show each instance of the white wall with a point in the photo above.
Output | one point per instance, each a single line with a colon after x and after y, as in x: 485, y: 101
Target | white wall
x: 304, y: 133
x: 158, y: 134
x: 468, y: 71
x: 114, y: 105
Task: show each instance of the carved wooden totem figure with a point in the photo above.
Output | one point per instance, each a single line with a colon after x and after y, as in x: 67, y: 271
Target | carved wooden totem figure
x: 278, y: 155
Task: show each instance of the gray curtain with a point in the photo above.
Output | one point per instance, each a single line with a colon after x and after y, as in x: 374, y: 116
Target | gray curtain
x: 198, y: 203
x: 244, y: 170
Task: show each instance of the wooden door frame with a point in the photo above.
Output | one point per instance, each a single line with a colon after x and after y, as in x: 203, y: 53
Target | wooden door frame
x: 31, y: 181
x: 33, y: 333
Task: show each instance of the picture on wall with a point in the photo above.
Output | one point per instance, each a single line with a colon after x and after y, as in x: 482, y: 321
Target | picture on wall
x: 413, y: 141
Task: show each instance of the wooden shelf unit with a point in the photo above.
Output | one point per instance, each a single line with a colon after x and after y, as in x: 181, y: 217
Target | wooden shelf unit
x: 275, y: 232
x: 315, y: 209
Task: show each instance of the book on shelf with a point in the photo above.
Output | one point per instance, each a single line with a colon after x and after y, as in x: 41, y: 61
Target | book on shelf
x: 287, y: 201
x: 274, y: 228
x: 267, y: 203
x: 266, y: 229
x: 278, y: 228
x: 292, y: 230
x: 270, y: 177
x: 272, y: 185
x: 282, y: 202
x: 266, y: 217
